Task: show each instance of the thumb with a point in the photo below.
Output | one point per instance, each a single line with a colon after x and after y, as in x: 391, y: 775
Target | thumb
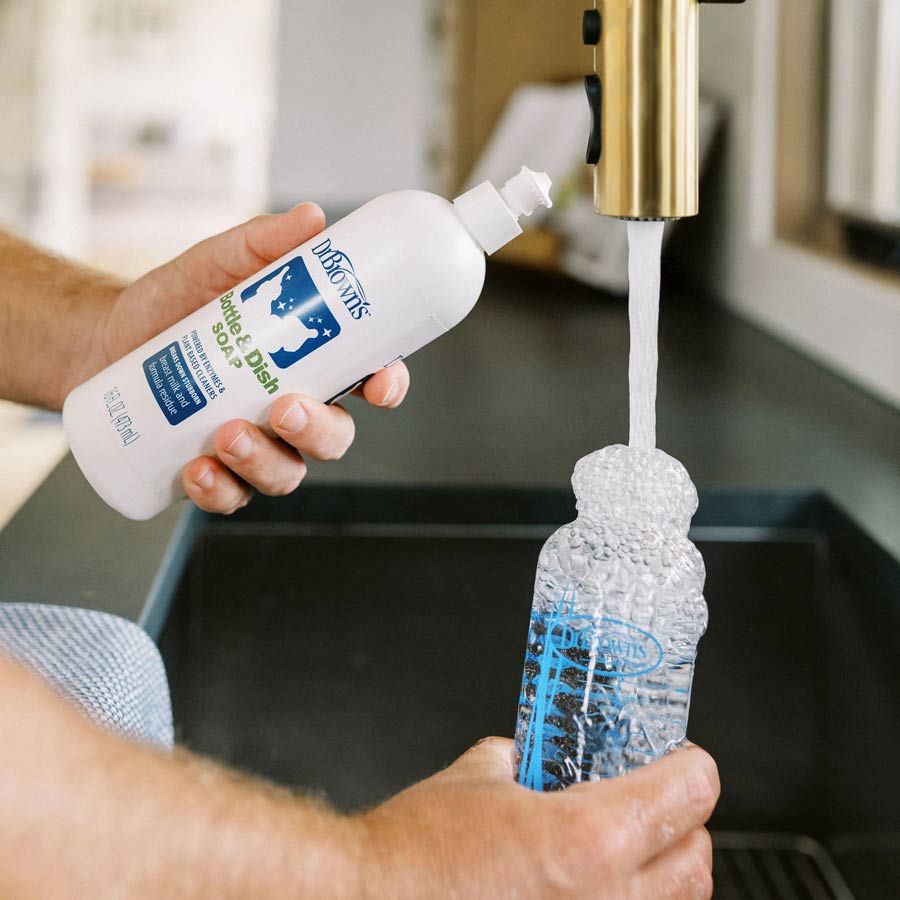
x: 491, y: 758
x: 274, y: 235
x: 245, y: 249
x: 220, y: 262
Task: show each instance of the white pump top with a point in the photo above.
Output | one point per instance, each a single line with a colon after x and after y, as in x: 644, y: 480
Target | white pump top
x: 492, y: 216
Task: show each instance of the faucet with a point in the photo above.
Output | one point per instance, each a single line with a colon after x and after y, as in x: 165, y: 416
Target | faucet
x: 644, y: 98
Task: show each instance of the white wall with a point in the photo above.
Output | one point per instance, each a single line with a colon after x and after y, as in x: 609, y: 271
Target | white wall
x: 352, y: 88
x: 18, y: 88
x: 82, y: 81
x: 843, y: 317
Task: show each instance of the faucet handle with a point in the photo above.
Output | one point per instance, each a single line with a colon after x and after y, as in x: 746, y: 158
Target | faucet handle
x: 594, y: 91
x: 591, y: 27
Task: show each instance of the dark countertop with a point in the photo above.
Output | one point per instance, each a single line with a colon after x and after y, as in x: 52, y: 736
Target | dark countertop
x: 535, y: 378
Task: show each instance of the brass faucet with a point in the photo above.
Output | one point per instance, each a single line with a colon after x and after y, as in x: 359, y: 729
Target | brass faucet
x: 644, y: 98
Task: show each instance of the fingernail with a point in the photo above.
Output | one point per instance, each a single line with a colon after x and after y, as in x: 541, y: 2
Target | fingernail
x: 205, y: 478
x: 240, y: 446
x: 294, y: 419
x: 307, y: 203
x: 391, y: 393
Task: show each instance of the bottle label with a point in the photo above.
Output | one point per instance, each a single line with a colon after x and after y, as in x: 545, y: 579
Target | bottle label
x: 609, y: 646
x: 274, y: 323
x: 343, y: 278
x: 182, y: 378
x: 588, y: 697
x: 605, y: 646
x: 302, y: 320
x: 173, y: 384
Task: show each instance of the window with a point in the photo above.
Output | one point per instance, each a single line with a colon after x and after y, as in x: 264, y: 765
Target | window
x: 839, y: 129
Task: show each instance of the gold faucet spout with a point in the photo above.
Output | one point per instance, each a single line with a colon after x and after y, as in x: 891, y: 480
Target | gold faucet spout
x: 644, y: 99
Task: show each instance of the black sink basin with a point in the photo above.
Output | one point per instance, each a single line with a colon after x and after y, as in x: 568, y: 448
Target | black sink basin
x: 352, y: 640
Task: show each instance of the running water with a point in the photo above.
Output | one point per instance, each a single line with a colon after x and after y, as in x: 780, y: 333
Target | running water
x: 644, y: 252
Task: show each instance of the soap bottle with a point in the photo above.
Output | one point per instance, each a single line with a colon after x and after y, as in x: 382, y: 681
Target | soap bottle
x: 368, y: 291
x: 618, y: 611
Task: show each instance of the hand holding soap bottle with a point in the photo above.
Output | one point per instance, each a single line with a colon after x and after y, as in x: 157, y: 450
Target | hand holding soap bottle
x: 369, y: 290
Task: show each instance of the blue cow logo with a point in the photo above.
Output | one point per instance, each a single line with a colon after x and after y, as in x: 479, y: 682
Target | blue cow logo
x: 303, y: 320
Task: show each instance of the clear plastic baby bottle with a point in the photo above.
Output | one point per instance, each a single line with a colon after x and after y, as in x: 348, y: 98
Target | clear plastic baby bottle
x: 618, y: 611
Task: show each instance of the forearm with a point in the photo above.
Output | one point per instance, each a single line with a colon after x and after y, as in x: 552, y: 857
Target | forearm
x: 85, y: 814
x: 51, y: 311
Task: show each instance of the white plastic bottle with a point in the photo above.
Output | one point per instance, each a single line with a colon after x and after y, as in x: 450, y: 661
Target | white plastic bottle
x: 369, y: 290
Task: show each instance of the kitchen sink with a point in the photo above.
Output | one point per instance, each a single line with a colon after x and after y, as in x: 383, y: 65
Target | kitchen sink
x: 348, y: 641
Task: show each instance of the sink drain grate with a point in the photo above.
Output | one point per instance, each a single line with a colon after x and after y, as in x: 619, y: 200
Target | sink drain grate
x: 774, y: 867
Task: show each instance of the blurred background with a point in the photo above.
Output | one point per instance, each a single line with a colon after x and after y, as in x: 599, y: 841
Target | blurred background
x: 133, y: 128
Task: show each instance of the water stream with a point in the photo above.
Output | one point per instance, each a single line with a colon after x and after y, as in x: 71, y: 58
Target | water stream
x: 644, y: 252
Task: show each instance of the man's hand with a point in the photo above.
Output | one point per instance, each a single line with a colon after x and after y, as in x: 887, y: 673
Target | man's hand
x: 471, y: 832
x: 84, y: 813
x: 71, y: 322
x: 246, y: 457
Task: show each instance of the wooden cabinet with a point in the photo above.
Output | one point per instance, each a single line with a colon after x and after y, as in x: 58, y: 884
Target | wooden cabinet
x: 497, y: 45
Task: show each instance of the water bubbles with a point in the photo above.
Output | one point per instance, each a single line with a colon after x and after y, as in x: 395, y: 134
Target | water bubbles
x: 642, y: 490
x: 618, y: 612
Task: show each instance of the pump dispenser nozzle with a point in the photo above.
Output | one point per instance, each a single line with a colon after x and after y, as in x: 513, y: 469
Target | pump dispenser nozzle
x: 525, y: 192
x: 492, y: 216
